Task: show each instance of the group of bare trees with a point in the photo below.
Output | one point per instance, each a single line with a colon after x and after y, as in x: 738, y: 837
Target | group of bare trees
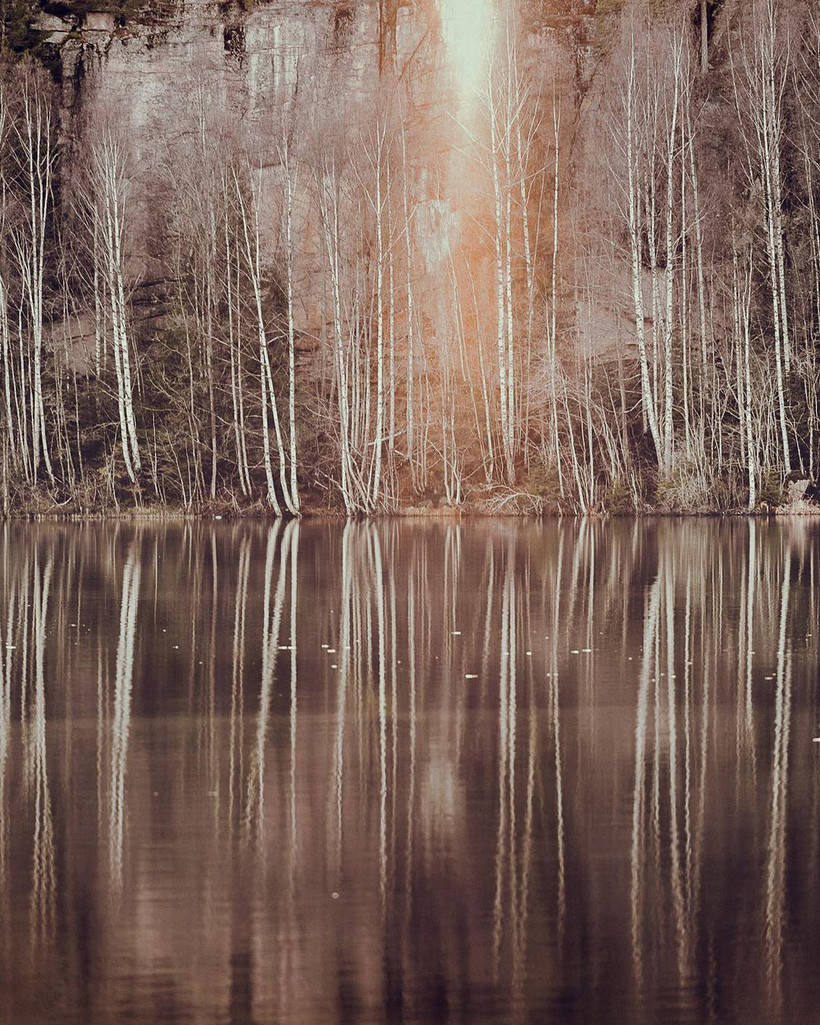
x: 580, y: 306
x: 714, y: 172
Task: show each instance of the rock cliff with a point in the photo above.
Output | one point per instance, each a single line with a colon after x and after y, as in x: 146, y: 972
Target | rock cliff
x: 143, y: 69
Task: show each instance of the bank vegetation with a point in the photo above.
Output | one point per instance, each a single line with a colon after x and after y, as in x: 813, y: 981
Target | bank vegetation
x: 537, y: 301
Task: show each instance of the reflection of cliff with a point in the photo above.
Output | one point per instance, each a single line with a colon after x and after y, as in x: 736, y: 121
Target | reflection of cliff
x: 479, y: 772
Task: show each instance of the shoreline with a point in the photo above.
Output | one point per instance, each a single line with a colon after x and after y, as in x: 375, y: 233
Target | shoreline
x: 802, y: 511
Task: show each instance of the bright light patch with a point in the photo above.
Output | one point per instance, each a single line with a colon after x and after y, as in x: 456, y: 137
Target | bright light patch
x: 467, y: 28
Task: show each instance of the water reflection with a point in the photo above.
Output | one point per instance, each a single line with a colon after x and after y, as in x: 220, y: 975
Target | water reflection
x: 492, y: 772
x: 121, y: 718
x: 33, y: 701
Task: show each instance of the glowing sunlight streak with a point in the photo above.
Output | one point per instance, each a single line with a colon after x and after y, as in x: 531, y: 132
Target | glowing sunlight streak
x: 466, y: 27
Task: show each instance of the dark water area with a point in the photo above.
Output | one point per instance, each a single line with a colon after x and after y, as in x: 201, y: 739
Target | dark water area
x: 490, y: 772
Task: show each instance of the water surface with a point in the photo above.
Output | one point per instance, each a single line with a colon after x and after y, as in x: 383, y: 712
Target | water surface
x: 494, y: 772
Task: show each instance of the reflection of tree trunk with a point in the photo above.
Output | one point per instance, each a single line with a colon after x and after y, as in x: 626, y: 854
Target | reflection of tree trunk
x: 413, y: 698
x: 503, y: 759
x: 294, y: 578
x: 638, y: 798
x: 5, y: 742
x: 751, y: 578
x: 776, y: 861
x: 378, y: 595
x: 121, y: 724
x: 555, y: 719
x: 676, y: 873
x: 237, y: 729
x: 273, y: 603
x: 43, y: 896
x: 240, y: 998
x: 345, y: 643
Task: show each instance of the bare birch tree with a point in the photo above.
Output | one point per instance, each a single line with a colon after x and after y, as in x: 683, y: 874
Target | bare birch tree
x: 105, y: 197
x: 35, y: 136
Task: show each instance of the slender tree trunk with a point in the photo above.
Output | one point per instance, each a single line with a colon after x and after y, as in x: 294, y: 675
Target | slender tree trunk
x: 500, y: 306
x: 290, y: 186
x: 635, y: 254
x: 553, y: 311
x: 377, y: 168
x: 411, y: 370
x: 670, y: 257
x: 704, y: 38
x: 329, y: 204
x: 250, y: 232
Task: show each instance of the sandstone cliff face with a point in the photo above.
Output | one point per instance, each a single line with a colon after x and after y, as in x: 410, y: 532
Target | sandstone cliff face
x: 142, y: 75
x: 248, y: 62
x: 146, y: 77
x: 331, y: 60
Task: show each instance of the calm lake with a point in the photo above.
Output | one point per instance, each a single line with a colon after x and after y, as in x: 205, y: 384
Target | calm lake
x: 490, y: 772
